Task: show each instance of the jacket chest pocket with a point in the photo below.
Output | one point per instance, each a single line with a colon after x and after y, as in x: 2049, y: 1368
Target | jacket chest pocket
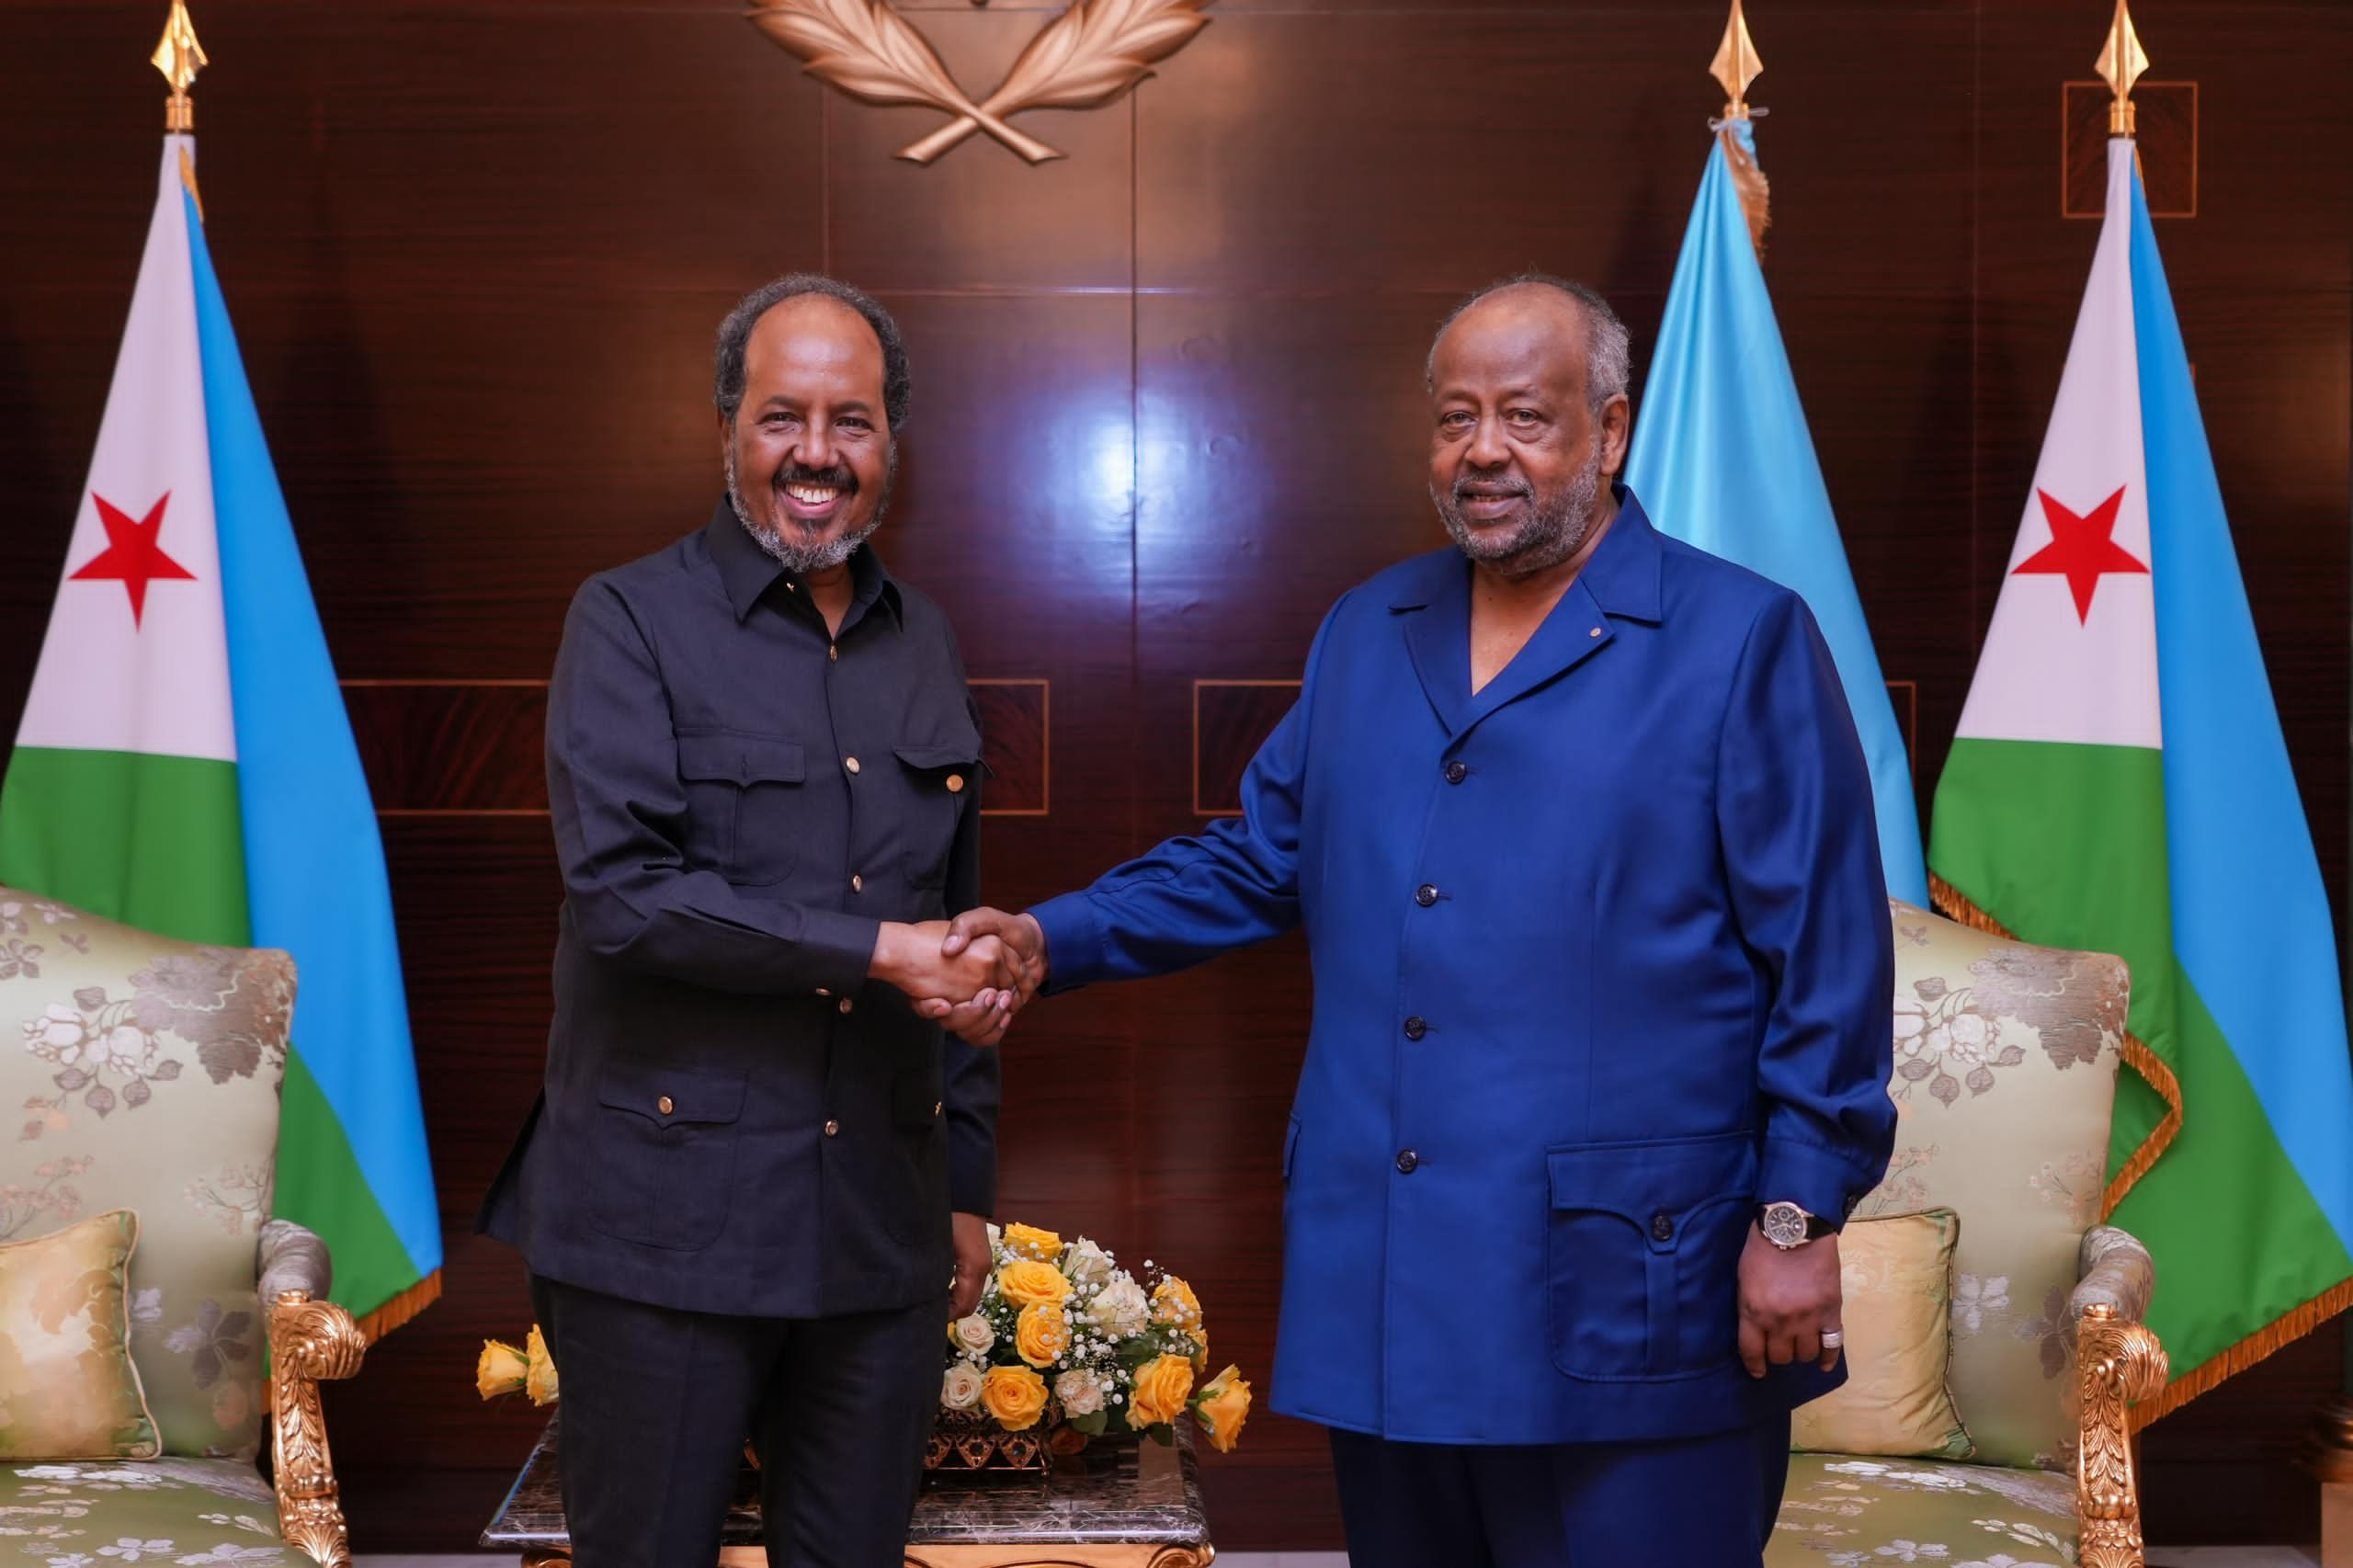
x: 1645, y: 1254
x: 661, y: 1167
x: 743, y: 797
x: 943, y: 778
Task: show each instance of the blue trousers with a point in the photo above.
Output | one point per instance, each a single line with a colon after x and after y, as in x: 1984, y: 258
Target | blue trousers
x: 1697, y: 1503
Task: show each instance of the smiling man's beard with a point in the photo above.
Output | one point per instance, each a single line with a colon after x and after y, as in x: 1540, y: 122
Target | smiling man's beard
x: 1555, y: 528
x: 818, y: 555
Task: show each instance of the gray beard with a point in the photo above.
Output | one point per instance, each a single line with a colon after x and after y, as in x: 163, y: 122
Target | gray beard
x: 1555, y: 531
x: 805, y: 559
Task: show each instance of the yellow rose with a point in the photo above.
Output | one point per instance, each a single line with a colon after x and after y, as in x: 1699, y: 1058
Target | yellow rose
x: 1027, y: 1282
x: 1200, y: 1337
x: 1042, y: 1335
x: 540, y: 1381
x: 1224, y: 1407
x: 1173, y: 1303
x: 1027, y: 1240
x: 1162, y: 1388
x: 1015, y: 1395
x: 501, y: 1369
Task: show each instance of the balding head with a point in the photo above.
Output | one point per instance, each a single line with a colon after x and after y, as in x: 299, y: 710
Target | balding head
x: 1540, y: 302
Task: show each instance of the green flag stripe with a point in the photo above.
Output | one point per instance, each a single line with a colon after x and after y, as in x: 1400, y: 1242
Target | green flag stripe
x: 320, y: 1186
x: 2225, y: 1194
x: 2065, y: 845
x: 155, y: 842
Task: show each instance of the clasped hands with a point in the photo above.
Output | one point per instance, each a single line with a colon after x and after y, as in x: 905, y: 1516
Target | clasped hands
x: 971, y: 975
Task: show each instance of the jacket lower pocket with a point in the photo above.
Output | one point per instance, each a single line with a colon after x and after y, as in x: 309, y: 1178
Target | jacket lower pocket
x: 660, y: 1161
x: 1644, y: 1255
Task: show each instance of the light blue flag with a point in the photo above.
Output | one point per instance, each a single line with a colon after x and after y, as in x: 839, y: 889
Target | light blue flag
x: 1723, y: 459
x: 352, y: 1158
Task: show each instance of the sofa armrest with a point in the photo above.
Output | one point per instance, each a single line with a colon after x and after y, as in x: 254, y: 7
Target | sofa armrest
x: 2118, y: 1360
x: 293, y: 1258
x: 2115, y: 1271
x: 310, y: 1341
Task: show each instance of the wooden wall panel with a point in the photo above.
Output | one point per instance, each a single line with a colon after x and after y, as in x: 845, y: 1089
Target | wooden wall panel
x: 1168, y: 406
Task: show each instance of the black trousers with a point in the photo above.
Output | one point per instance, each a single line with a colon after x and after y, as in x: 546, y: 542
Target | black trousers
x: 1697, y: 1503
x: 658, y: 1404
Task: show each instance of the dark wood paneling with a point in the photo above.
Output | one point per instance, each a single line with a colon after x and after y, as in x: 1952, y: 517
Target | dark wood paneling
x: 1169, y: 407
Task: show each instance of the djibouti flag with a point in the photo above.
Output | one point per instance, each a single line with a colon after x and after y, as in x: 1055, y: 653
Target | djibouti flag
x: 2120, y: 782
x: 184, y: 763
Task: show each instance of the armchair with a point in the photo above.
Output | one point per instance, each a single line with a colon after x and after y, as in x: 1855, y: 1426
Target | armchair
x: 148, y: 1071
x: 2006, y: 1061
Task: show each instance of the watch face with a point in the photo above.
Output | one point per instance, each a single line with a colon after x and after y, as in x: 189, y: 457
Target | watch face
x: 1783, y: 1224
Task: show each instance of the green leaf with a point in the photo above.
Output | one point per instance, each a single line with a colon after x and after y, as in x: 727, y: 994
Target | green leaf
x: 1093, y: 1426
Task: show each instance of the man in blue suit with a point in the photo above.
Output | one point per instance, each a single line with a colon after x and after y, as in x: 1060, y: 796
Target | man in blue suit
x: 1578, y: 825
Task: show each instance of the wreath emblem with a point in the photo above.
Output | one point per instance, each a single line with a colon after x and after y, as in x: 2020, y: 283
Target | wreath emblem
x: 1092, y: 53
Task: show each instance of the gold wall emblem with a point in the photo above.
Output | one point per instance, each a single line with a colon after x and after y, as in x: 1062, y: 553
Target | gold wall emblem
x: 1087, y: 56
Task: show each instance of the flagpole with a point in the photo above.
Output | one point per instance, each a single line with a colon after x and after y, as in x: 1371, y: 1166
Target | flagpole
x: 179, y: 57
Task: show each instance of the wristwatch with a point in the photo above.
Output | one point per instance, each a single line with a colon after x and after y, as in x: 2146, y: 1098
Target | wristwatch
x: 1789, y: 1227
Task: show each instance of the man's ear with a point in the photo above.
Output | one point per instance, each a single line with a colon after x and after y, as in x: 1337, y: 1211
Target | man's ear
x: 1617, y: 428
x: 726, y: 431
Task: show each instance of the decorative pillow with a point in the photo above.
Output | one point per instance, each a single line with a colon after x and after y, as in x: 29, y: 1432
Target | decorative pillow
x: 67, y: 1388
x: 1898, y: 1319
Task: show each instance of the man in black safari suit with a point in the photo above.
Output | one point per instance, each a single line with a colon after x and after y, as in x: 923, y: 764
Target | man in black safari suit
x: 735, y: 1193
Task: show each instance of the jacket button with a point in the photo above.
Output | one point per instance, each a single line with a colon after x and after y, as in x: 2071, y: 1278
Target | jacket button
x: 834, y: 651
x: 1426, y: 895
x: 1408, y: 1163
x: 1415, y: 1029
x: 955, y: 783
x: 938, y: 1106
x: 1456, y: 772
x: 845, y: 1005
x: 850, y: 762
x: 857, y: 883
x: 1663, y: 1226
x: 665, y: 1105
x: 832, y: 1129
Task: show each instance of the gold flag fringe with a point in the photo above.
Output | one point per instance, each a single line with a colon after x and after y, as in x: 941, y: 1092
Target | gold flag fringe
x: 1955, y: 904
x: 402, y: 1308
x: 1748, y: 181
x: 2290, y: 1326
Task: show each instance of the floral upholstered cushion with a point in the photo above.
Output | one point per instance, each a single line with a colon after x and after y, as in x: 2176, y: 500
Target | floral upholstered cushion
x: 169, y: 1511
x: 67, y: 1387
x: 1897, y: 1275
x: 1844, y: 1511
x: 145, y: 1072
x: 2006, y: 1059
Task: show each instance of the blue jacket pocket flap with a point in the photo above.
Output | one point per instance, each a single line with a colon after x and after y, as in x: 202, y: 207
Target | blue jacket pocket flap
x: 1670, y: 1177
x: 665, y: 1095
x: 741, y: 759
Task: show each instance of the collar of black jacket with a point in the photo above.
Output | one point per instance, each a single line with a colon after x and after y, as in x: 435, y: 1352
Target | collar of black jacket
x: 746, y: 571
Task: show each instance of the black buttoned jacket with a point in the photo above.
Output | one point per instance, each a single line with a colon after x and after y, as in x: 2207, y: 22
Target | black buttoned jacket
x: 734, y: 1119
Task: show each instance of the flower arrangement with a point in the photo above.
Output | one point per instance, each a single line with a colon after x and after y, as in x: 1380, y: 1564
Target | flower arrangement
x: 503, y: 1370
x: 1065, y: 1338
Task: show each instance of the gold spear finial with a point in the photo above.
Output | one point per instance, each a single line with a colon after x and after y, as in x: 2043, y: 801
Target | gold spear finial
x: 2121, y: 64
x: 1736, y: 64
x: 179, y: 57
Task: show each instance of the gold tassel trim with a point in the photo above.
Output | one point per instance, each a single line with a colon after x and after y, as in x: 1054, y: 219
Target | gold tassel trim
x: 1954, y: 904
x: 402, y: 1308
x: 1748, y: 181
x: 2245, y: 1353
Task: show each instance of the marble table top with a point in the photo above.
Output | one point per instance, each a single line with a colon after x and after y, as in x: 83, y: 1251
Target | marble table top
x: 1149, y: 1495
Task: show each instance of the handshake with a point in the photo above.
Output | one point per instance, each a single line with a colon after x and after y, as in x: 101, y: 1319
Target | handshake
x: 972, y: 973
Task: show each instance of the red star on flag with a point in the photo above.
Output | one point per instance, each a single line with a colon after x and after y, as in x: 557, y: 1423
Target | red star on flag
x: 2080, y: 549
x: 132, y: 556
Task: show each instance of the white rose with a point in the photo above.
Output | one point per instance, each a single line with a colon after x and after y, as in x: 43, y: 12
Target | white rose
x: 128, y: 1047
x: 974, y: 1334
x: 1081, y: 1392
x: 1119, y: 1309
x: 1083, y: 1263
x: 960, y: 1388
x: 59, y: 1029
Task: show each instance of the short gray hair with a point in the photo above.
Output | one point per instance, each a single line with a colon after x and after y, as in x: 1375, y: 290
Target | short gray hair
x: 736, y: 333
x: 1608, y: 350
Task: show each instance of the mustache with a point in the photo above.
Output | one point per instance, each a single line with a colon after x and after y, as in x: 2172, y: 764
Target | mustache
x: 836, y: 476
x: 1492, y: 487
